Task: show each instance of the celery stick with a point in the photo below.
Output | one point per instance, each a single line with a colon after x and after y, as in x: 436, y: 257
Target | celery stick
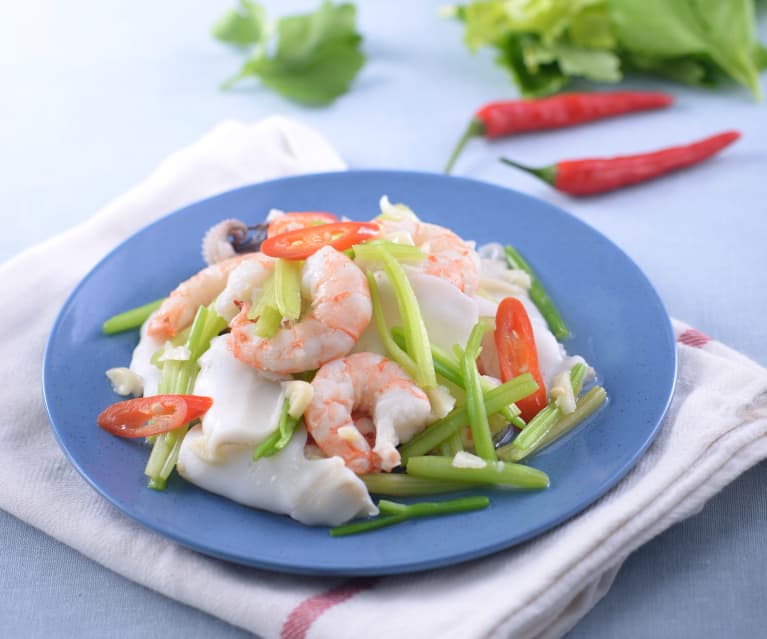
x: 287, y: 288
x: 494, y: 472
x: 366, y: 525
x: 577, y: 373
x: 475, y: 406
x: 286, y: 428
x: 585, y: 406
x: 268, y: 323
x: 403, y: 485
x: 392, y: 348
x: 130, y: 319
x: 266, y: 297
x: 281, y: 436
x: 178, y: 378
x: 454, y: 444
x: 403, y: 512
x: 430, y: 508
x: 371, y: 251
x: 416, y: 337
x: 266, y: 447
x: 175, y: 447
x: 446, y: 367
x: 539, y: 426
x: 494, y: 400
x: 538, y: 295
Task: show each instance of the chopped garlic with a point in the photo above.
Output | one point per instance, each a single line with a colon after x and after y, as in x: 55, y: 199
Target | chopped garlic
x: 353, y: 437
x: 125, y: 381
x: 177, y: 354
x: 562, y: 392
x: 441, y: 400
x: 463, y: 459
x: 399, y: 237
x: 299, y: 395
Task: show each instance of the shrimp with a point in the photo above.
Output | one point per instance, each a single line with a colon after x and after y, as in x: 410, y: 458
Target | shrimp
x: 340, y: 310
x: 351, y: 391
x: 448, y: 256
x: 177, y: 311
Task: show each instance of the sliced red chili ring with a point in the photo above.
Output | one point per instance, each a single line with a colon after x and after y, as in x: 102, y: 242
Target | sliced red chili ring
x: 146, y: 416
x: 301, y: 243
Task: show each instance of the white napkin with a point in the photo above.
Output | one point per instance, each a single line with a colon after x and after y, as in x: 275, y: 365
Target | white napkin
x: 715, y: 430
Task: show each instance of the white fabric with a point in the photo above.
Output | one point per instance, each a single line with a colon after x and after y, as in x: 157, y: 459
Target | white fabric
x: 715, y: 430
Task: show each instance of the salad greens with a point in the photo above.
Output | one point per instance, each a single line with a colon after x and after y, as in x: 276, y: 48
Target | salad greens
x: 310, y: 58
x: 545, y: 44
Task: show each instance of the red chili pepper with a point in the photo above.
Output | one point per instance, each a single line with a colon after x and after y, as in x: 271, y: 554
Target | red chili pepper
x: 299, y: 220
x: 145, y: 416
x: 499, y: 119
x: 597, y: 175
x: 517, y: 353
x: 300, y: 244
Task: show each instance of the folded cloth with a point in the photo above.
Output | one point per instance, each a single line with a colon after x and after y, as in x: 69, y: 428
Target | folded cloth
x: 716, y: 428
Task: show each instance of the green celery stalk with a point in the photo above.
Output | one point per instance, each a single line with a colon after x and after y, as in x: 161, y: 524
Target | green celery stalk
x: 267, y: 447
x: 392, y: 348
x: 539, y: 426
x: 130, y: 319
x: 287, y: 288
x: 475, y: 405
x: 394, y: 513
x: 403, y: 485
x: 494, y: 472
x: 267, y: 297
x: 538, y: 294
x: 178, y: 378
x: 371, y: 251
x: 416, y: 337
x: 446, y: 367
x: 268, y: 323
x: 281, y: 435
x: 585, y: 406
x: 494, y: 400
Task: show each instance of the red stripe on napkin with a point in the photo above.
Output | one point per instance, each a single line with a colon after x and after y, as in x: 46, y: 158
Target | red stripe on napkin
x: 304, y: 614
x: 693, y: 337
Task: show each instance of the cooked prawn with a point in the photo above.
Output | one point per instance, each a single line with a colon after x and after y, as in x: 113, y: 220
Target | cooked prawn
x: 351, y: 391
x: 340, y: 311
x: 448, y: 256
x: 177, y: 311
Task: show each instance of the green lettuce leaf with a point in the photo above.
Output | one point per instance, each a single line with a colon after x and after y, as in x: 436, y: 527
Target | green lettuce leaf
x: 242, y: 27
x: 721, y: 31
x: 546, y: 43
x: 539, y: 78
x: 316, y: 56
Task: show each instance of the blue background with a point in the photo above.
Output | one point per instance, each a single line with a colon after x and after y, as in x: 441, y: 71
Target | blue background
x: 95, y: 95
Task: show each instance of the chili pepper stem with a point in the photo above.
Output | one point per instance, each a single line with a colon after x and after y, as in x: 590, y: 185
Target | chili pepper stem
x: 475, y: 129
x: 547, y: 173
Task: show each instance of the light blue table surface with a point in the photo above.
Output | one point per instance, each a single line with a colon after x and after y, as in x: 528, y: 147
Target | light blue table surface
x: 96, y: 94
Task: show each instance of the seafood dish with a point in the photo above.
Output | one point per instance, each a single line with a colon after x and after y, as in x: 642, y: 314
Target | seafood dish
x: 315, y: 365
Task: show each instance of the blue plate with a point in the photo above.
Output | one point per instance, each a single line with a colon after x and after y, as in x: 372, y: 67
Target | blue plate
x: 619, y: 325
